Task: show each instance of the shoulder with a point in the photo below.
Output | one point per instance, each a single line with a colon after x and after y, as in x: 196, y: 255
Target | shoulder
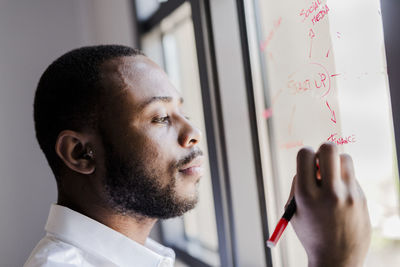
x: 53, y: 252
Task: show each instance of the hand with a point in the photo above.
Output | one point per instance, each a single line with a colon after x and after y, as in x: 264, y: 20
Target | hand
x: 331, y: 219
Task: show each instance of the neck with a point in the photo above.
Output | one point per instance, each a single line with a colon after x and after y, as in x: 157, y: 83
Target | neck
x: 134, y: 227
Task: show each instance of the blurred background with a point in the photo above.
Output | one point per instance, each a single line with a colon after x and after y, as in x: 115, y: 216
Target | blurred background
x: 260, y: 79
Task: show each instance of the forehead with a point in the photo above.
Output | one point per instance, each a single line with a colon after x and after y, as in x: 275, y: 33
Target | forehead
x: 137, y: 79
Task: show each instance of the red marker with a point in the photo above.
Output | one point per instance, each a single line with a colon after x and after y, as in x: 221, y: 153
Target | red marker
x: 283, y: 222
x: 289, y: 212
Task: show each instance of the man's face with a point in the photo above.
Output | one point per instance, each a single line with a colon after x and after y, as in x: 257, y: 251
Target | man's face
x: 151, y: 162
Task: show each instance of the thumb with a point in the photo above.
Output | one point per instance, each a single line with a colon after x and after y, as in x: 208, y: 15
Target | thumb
x: 291, y: 195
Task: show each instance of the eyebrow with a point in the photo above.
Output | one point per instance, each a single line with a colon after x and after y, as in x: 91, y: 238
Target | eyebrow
x: 157, y: 99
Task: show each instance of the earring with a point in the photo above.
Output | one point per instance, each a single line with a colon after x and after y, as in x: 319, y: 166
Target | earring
x: 88, y: 155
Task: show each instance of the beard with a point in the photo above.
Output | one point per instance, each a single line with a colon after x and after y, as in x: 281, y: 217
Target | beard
x: 133, y: 185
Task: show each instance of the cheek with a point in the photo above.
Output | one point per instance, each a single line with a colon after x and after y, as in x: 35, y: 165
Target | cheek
x: 158, y: 142
x: 157, y: 156
x: 155, y: 147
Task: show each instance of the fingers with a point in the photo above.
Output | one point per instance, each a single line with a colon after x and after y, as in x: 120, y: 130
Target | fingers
x: 359, y: 189
x: 306, y: 173
x: 348, y: 176
x: 329, y: 163
x: 336, y: 174
x: 346, y: 168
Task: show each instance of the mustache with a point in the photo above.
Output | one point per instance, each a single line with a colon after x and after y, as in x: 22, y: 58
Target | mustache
x: 194, y: 154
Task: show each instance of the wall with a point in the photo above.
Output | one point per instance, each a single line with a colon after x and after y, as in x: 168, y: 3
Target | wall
x: 32, y: 35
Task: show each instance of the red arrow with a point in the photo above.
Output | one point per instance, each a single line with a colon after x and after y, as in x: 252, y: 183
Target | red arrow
x: 311, y: 34
x: 333, y: 113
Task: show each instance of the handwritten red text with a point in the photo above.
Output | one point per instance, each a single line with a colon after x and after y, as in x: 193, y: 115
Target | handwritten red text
x: 305, y: 13
x: 271, y: 34
x: 303, y: 86
x: 313, y: 78
x: 290, y: 145
x: 341, y: 140
x: 320, y: 14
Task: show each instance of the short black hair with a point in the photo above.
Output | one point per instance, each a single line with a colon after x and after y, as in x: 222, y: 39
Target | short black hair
x: 69, y: 93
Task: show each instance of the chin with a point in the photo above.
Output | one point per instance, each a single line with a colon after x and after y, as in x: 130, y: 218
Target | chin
x: 190, y: 194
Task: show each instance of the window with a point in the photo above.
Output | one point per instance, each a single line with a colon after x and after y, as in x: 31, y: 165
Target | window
x: 319, y: 74
x: 171, y: 43
x: 262, y: 78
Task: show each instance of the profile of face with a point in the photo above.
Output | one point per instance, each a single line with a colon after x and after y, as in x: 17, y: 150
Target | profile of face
x: 152, y: 164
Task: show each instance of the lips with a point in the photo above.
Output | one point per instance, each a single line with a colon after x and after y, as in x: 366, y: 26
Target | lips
x: 194, y: 168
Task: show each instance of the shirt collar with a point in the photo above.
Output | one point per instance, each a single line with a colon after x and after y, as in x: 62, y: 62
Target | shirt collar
x: 90, y: 235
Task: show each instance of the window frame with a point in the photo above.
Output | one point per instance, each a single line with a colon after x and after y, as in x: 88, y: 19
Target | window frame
x: 254, y: 127
x: 214, y: 129
x: 391, y: 19
x: 250, y: 234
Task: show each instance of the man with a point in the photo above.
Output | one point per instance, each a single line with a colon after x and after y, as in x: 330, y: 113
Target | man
x: 124, y: 155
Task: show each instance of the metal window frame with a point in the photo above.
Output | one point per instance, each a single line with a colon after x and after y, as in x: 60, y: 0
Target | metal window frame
x: 391, y: 20
x: 164, y: 10
x: 214, y: 129
x: 238, y: 111
x: 254, y: 126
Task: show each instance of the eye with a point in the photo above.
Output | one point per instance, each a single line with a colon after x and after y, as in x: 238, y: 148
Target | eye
x: 165, y: 119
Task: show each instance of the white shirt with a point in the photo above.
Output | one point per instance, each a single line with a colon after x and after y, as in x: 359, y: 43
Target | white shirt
x: 73, y: 239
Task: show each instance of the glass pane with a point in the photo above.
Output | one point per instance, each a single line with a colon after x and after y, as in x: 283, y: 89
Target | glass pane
x: 321, y: 71
x: 146, y: 8
x: 175, y: 37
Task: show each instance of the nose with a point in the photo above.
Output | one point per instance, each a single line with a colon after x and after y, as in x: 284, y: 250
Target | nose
x: 190, y: 135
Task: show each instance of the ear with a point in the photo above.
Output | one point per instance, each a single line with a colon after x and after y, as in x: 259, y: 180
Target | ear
x: 74, y: 150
